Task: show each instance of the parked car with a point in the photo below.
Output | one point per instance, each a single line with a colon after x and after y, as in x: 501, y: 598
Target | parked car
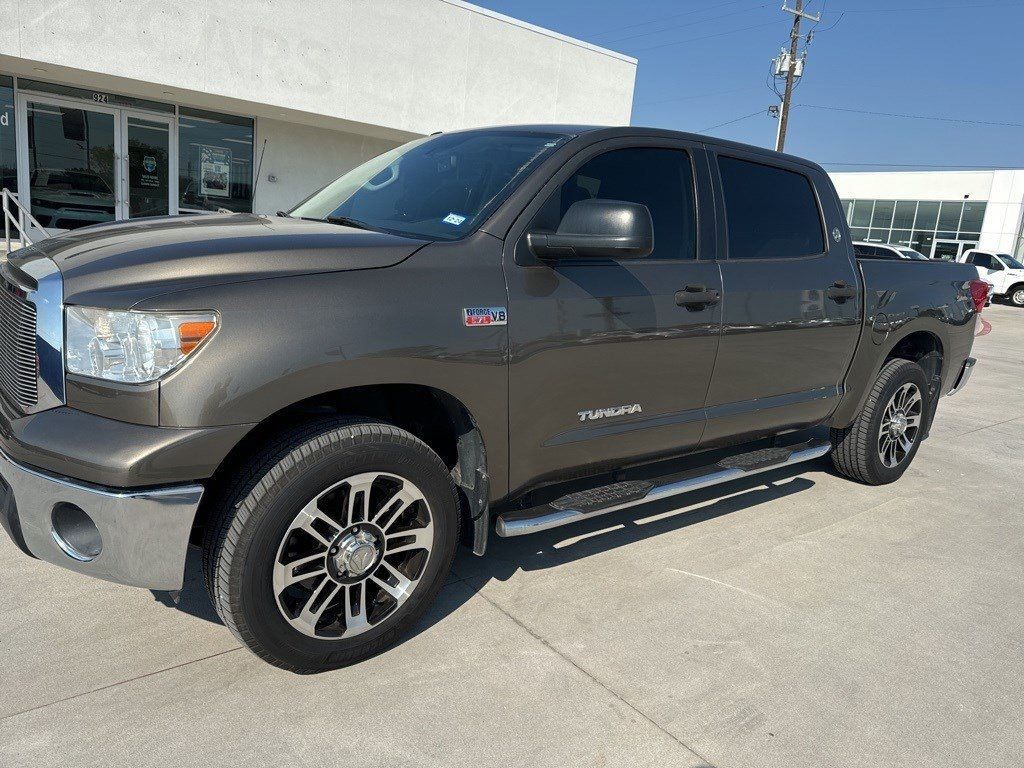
x: 500, y: 330
x: 1003, y: 272
x: 886, y: 251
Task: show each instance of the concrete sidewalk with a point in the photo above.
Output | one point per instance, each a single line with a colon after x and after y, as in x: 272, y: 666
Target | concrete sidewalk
x: 795, y: 619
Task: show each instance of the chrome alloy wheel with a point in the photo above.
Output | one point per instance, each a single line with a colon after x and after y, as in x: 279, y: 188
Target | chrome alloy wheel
x: 901, y: 423
x: 353, y: 555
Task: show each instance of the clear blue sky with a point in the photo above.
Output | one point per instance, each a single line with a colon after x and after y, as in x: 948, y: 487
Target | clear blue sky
x: 955, y: 60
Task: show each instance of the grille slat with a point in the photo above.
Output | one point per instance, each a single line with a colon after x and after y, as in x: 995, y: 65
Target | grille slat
x: 18, y: 361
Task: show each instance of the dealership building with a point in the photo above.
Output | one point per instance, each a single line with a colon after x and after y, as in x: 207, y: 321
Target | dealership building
x: 111, y: 111
x: 939, y: 213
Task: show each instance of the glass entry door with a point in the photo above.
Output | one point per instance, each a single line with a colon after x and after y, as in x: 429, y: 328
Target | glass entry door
x: 950, y: 250
x: 87, y: 164
x: 147, y: 166
x: 72, y: 164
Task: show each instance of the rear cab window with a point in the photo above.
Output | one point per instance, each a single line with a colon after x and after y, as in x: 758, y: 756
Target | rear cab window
x: 771, y: 212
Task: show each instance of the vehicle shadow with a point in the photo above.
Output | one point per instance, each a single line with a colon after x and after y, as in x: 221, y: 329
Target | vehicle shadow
x: 550, y: 549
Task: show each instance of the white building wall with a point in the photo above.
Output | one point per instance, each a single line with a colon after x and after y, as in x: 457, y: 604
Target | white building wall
x: 1001, y: 190
x: 393, y: 68
x: 1004, y: 212
x: 302, y: 159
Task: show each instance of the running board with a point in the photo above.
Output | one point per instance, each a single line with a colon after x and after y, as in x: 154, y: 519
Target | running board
x: 611, y: 498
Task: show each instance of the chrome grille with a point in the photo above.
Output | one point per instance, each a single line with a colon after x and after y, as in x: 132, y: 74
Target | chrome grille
x: 19, y: 369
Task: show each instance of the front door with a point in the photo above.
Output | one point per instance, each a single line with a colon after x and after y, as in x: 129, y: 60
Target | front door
x: 606, y: 367
x: 73, y: 163
x: 146, y: 165
x: 950, y: 250
x: 86, y: 164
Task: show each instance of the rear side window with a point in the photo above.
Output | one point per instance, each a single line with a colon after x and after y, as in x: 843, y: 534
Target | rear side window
x: 863, y: 251
x: 661, y: 179
x: 771, y: 212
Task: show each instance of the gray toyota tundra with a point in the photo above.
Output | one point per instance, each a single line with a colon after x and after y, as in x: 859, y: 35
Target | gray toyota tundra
x: 487, y: 331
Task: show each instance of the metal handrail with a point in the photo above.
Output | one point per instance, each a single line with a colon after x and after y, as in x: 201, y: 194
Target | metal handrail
x: 21, y: 218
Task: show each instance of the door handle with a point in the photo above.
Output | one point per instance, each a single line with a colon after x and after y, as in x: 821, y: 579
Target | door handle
x: 840, y: 290
x: 696, y: 297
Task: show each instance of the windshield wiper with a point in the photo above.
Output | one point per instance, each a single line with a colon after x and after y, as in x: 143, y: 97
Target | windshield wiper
x: 345, y: 221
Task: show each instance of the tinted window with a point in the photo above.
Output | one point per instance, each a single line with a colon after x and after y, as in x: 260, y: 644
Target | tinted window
x: 771, y: 213
x: 439, y: 187
x: 863, y: 251
x: 983, y: 260
x: 661, y: 179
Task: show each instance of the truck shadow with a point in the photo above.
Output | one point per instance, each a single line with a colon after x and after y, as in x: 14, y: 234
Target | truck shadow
x: 550, y: 549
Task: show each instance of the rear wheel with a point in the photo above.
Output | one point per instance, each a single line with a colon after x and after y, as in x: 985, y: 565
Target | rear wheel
x: 335, y: 546
x: 879, y: 446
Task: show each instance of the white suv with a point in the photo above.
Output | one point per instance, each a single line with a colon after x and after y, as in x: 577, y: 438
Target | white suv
x: 1002, y: 271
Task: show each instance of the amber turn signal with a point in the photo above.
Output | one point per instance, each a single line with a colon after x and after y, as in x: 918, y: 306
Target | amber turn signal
x: 192, y: 334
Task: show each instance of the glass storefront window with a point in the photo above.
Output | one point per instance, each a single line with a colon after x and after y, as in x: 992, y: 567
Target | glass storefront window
x: 949, y: 217
x: 861, y: 216
x: 215, y: 168
x: 974, y: 214
x: 904, y: 215
x: 900, y: 237
x: 927, y: 215
x: 8, y: 153
x: 882, y: 217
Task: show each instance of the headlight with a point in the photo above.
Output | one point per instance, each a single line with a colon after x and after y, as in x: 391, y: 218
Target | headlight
x: 131, y: 347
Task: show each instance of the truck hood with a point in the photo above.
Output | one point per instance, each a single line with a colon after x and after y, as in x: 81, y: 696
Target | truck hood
x: 118, y: 265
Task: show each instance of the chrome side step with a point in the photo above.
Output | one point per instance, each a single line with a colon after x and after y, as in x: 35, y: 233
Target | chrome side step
x: 559, y: 512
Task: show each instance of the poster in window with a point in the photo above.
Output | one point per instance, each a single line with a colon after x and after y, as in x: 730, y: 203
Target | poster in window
x: 215, y: 171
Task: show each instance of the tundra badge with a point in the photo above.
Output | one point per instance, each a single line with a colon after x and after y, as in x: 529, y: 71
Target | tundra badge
x: 603, y: 413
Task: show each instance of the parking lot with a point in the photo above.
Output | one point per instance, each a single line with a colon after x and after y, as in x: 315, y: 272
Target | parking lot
x: 794, y: 619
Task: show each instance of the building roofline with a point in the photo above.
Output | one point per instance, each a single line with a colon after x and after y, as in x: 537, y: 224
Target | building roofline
x: 540, y: 30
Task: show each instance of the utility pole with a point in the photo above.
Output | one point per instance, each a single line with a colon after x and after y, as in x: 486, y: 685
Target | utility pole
x: 791, y: 69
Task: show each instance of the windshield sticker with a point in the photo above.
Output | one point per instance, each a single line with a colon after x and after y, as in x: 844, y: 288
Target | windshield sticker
x: 454, y: 218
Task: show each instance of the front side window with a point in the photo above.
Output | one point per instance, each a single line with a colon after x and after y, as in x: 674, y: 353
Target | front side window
x: 661, y: 179
x: 1010, y: 262
x: 441, y: 187
x: 771, y: 213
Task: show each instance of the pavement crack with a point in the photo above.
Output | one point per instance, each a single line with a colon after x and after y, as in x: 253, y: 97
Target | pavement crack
x: 597, y: 681
x: 119, y: 682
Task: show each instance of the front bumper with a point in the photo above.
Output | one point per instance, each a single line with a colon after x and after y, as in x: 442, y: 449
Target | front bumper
x: 136, y: 537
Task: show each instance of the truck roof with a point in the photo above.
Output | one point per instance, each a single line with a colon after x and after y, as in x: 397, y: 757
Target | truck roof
x: 611, y: 132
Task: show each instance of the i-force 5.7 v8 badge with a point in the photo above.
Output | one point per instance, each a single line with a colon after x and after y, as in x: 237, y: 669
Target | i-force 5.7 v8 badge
x: 604, y: 413
x: 473, y: 316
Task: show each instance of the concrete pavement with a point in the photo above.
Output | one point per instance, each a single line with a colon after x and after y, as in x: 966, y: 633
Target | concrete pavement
x: 795, y: 619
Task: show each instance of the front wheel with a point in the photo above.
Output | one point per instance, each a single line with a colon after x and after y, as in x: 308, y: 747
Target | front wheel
x: 334, y: 546
x: 879, y: 446
x: 1017, y: 296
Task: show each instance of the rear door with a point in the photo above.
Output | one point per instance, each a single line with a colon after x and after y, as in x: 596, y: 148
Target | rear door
x: 792, y: 312
x: 606, y: 367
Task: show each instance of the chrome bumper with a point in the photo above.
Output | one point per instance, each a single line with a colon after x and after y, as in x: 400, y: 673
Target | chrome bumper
x: 964, y: 376
x: 130, y: 537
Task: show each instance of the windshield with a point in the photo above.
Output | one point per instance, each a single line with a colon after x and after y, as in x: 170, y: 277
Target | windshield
x: 910, y: 253
x: 440, y: 187
x: 1009, y: 261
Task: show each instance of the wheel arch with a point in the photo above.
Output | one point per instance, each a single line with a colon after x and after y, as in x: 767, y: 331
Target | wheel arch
x: 436, y: 417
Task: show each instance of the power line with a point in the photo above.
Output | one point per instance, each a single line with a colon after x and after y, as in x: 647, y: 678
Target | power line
x: 929, y: 8
x: 730, y: 122
x: 694, y: 96
x: 913, y: 117
x: 682, y: 26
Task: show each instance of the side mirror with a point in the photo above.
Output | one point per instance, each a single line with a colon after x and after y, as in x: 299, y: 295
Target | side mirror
x: 598, y: 229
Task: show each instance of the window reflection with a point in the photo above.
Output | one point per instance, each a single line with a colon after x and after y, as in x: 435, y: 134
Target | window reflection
x: 8, y: 154
x: 215, y: 155
x: 917, y: 224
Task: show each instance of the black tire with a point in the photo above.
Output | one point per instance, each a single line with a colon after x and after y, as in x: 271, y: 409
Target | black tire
x: 1016, y: 295
x: 254, y: 512
x: 855, y: 451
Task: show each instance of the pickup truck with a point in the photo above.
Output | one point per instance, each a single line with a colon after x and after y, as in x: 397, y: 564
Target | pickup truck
x: 483, y: 332
x: 1000, y: 270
